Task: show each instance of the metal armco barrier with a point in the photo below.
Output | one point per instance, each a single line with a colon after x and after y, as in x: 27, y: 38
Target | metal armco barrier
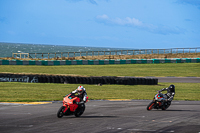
x: 77, y: 79
x: 97, y: 62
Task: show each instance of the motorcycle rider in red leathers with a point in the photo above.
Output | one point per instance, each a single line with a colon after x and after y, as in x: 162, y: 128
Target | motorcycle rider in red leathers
x: 81, y: 91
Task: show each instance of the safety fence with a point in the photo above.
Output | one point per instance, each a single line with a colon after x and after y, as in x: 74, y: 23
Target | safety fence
x: 31, y: 78
x: 104, y: 53
x: 98, y: 62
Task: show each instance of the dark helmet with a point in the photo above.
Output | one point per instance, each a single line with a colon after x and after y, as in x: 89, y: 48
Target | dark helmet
x: 172, y: 88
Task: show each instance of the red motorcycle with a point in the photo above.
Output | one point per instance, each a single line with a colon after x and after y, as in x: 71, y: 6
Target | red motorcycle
x: 158, y: 102
x: 70, y: 107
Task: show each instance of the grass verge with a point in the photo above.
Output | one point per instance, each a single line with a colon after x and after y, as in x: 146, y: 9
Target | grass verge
x: 158, y: 70
x: 33, y: 92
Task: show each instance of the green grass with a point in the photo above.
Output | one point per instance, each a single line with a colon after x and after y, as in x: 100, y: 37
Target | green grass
x: 18, y: 92
x: 53, y: 92
x: 167, y: 69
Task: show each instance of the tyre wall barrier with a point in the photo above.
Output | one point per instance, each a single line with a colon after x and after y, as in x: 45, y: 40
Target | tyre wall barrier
x: 98, y: 62
x: 77, y: 79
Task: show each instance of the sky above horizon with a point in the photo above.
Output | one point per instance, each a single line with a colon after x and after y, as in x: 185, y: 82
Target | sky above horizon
x: 139, y: 24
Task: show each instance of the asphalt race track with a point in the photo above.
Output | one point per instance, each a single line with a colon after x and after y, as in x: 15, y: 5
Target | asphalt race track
x: 102, y: 117
x: 179, y: 79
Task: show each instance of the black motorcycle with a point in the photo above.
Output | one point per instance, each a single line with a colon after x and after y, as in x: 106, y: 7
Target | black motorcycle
x: 159, y: 102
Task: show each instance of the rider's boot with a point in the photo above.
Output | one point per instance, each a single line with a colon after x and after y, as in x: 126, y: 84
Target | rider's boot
x: 163, y: 104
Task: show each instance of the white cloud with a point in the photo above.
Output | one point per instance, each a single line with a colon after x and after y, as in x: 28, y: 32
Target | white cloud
x: 103, y: 17
x: 127, y: 21
x: 136, y: 23
x: 133, y: 21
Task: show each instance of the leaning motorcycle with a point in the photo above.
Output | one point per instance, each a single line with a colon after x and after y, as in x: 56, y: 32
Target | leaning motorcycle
x: 70, y: 106
x: 158, y: 102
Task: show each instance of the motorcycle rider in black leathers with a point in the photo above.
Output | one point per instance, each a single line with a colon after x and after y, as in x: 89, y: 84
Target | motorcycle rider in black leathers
x: 170, y: 94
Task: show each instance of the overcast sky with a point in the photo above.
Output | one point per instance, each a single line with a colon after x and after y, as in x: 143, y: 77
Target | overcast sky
x: 102, y: 23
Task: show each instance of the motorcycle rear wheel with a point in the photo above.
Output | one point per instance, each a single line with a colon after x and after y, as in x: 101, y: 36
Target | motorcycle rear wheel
x: 60, y: 112
x: 150, y: 106
x: 80, y: 111
x: 168, y: 104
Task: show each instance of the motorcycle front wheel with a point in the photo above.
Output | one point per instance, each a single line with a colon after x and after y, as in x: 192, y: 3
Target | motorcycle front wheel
x: 150, y: 106
x: 60, y: 112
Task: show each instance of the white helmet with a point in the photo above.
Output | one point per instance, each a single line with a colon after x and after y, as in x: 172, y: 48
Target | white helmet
x: 80, y: 89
